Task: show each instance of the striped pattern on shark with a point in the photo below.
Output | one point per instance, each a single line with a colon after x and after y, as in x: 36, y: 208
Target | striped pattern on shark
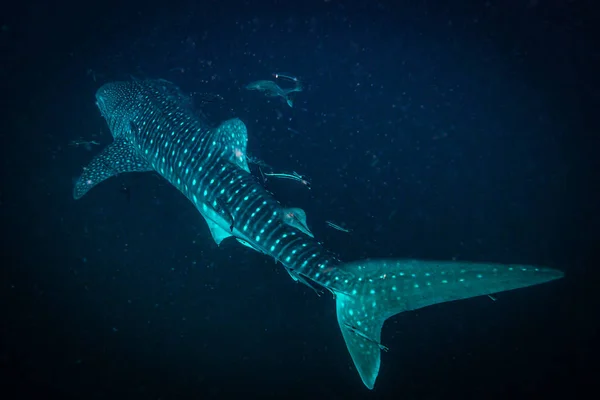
x: 155, y: 129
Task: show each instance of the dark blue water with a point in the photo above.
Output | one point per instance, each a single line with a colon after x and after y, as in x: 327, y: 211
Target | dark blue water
x: 432, y: 130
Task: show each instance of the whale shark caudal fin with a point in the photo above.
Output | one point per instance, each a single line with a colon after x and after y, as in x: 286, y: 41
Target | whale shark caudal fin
x: 382, y: 288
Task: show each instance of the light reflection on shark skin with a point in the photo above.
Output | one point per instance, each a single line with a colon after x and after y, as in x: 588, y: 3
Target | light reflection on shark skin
x: 271, y: 89
x: 154, y: 129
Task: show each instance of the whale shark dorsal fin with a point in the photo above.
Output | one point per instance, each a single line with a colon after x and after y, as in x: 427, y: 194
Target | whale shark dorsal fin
x: 296, y: 217
x: 233, y: 136
x: 116, y: 158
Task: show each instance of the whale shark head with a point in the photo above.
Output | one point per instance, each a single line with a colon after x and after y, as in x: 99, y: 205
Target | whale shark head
x: 119, y: 103
x: 108, y: 98
x: 122, y: 102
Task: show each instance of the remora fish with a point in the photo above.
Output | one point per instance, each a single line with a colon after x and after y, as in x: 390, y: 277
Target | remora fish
x: 271, y: 89
x: 154, y: 129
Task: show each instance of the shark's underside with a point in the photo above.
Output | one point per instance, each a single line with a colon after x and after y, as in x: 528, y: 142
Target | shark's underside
x: 156, y: 129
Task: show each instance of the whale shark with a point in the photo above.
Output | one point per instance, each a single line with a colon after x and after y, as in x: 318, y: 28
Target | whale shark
x: 155, y: 128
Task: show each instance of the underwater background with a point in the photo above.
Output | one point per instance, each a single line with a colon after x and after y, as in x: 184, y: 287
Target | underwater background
x: 430, y: 129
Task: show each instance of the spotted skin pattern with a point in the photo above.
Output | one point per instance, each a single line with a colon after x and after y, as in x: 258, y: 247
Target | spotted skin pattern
x: 155, y: 129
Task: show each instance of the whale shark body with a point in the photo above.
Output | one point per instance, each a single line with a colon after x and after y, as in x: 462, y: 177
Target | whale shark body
x: 156, y: 129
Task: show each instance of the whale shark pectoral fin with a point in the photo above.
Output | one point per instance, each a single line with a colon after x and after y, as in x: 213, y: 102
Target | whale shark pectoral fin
x: 233, y: 135
x: 379, y: 289
x: 116, y: 158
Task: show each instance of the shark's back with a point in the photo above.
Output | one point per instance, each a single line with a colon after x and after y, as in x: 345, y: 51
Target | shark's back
x: 155, y: 127
x: 144, y: 103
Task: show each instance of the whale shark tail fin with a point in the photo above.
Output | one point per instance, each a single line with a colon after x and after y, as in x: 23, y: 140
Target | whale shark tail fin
x: 383, y: 288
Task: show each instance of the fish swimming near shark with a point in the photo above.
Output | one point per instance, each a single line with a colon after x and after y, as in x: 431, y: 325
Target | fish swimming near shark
x: 155, y: 129
x: 271, y: 89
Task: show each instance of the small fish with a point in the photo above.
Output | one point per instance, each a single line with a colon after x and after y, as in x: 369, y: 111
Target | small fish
x: 206, y: 98
x: 294, y: 176
x: 271, y: 89
x: 86, y: 144
x: 81, y: 142
x: 336, y: 226
x: 181, y: 70
x: 278, y: 75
